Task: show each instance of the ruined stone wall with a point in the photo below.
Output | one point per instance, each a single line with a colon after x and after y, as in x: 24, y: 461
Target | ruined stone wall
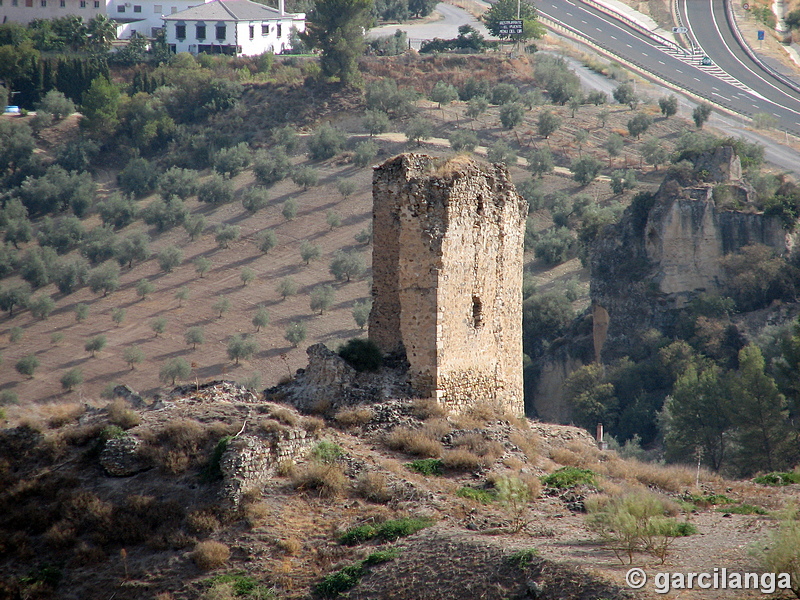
x: 447, y: 277
x: 250, y: 461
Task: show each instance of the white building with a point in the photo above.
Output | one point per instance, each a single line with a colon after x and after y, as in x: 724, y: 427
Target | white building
x: 236, y: 27
x: 144, y: 17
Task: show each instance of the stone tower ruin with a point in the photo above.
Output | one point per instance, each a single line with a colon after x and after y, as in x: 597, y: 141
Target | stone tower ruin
x: 447, y: 277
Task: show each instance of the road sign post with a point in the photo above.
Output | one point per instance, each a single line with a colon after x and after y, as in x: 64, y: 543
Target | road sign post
x: 511, y: 27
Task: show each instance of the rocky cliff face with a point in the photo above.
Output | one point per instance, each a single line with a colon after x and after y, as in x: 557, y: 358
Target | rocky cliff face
x: 667, y: 248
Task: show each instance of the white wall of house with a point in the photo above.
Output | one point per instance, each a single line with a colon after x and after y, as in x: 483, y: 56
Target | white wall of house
x: 268, y: 35
x: 144, y: 16
x: 25, y: 11
x: 141, y: 16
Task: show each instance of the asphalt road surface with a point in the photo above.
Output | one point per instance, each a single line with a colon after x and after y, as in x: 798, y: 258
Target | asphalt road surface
x: 744, y: 95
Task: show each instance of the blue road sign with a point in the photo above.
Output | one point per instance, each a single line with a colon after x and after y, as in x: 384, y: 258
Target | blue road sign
x: 761, y: 35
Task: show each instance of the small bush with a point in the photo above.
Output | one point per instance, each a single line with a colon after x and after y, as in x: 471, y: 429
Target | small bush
x: 778, y: 479
x: 372, y: 487
x: 742, y: 509
x: 426, y: 466
x: 362, y: 355
x: 353, y: 417
x: 119, y: 413
x: 328, y: 480
x: 462, y: 460
x: 387, y: 531
x: 478, y: 495
x: 523, y: 558
x: 327, y: 452
x: 414, y: 442
x: 569, y: 477
x: 210, y: 555
x: 635, y: 522
x: 336, y: 583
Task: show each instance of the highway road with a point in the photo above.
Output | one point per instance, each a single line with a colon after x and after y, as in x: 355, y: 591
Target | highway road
x: 709, y: 27
x: 745, y: 95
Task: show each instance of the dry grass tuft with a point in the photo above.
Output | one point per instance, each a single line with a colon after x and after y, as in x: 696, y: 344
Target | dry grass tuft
x: 427, y: 408
x: 210, y: 555
x: 373, y: 487
x: 328, y: 481
x: 353, y: 417
x: 487, y: 411
x: 120, y: 414
x: 412, y: 441
x: 477, y: 443
x: 461, y: 459
x: 314, y: 425
x: 564, y: 456
x: 202, y: 521
x: 527, y: 442
x: 286, y: 468
x: 271, y: 426
x: 256, y: 513
x: 285, y: 416
x: 62, y: 413
x: 669, y: 478
x: 290, y: 545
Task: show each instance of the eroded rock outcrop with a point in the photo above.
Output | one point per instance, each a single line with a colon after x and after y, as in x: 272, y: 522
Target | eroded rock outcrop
x: 668, y: 247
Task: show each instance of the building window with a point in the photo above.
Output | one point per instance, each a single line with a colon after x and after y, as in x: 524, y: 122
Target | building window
x: 173, y: 10
x: 137, y: 8
x: 278, y: 30
x: 265, y: 30
x: 477, y: 312
x: 220, y: 32
x: 62, y: 3
x: 29, y: 3
x: 121, y: 8
x: 44, y: 3
x: 252, y: 30
x: 14, y: 2
x: 83, y: 3
x: 180, y: 32
x: 200, y: 32
x: 97, y: 3
x: 157, y: 8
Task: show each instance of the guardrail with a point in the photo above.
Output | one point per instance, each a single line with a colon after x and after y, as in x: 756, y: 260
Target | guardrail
x: 634, y: 25
x: 749, y: 51
x: 637, y: 66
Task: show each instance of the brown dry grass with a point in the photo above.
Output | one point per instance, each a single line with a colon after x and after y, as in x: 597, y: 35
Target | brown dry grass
x: 413, y: 441
x: 119, y: 413
x: 328, y: 481
x: 210, y: 555
x: 373, y: 487
x: 428, y: 408
x: 353, y: 417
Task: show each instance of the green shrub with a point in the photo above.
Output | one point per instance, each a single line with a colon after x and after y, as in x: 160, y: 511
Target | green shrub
x: 242, y: 585
x: 523, y: 558
x: 482, y: 496
x: 397, y: 528
x: 382, y: 556
x: 569, y: 477
x: 707, y: 500
x: 213, y: 472
x: 327, y: 452
x: 743, y: 509
x: 778, y: 479
x: 336, y: 583
x: 362, y: 355
x: 426, y: 466
x: 387, y: 531
x: 636, y: 522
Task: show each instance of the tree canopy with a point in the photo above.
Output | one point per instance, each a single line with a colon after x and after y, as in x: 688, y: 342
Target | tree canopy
x: 506, y: 10
x: 337, y: 28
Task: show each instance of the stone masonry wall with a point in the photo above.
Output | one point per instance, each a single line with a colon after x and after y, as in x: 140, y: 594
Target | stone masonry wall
x: 250, y: 461
x: 447, y: 277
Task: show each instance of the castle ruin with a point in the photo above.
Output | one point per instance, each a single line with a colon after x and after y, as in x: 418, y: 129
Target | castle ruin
x: 447, y: 278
